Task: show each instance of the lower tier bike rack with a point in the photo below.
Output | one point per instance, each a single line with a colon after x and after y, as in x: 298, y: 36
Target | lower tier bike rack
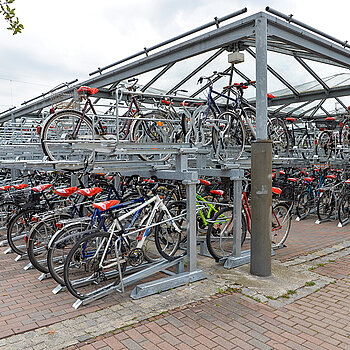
x: 175, y: 280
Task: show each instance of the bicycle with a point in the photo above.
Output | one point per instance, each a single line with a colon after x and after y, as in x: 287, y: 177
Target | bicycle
x: 68, y: 125
x: 308, y: 198
x: 300, y: 139
x: 220, y: 236
x: 94, y: 257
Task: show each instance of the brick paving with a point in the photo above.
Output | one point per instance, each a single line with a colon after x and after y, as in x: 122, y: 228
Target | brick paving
x: 224, y: 321
x: 231, y: 320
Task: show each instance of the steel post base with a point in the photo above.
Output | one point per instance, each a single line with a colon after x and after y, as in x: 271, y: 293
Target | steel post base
x: 234, y: 261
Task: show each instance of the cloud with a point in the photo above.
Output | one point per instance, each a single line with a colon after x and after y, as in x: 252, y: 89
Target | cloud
x: 66, y: 39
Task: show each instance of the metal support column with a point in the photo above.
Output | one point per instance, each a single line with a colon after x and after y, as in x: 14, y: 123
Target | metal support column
x: 260, y: 260
x: 191, y: 226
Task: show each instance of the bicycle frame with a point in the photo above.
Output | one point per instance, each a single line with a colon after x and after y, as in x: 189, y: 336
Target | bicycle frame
x: 200, y: 199
x: 157, y: 204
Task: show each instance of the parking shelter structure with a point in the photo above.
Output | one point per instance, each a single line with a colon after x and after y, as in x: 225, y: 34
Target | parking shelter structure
x: 199, y: 52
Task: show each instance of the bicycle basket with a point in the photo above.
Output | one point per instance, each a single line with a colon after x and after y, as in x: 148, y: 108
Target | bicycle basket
x: 65, y: 101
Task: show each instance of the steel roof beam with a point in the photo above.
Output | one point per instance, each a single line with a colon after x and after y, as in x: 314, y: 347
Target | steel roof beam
x: 307, y: 111
x: 324, y: 110
x: 299, y: 107
x: 312, y: 95
x: 341, y: 103
x: 291, y: 51
x: 312, y: 72
x: 216, y: 39
x: 307, y: 41
x: 317, y: 108
x: 278, y: 76
x: 194, y: 72
x: 155, y: 78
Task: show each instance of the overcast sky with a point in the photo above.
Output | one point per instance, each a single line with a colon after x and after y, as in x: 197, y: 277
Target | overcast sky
x: 68, y: 39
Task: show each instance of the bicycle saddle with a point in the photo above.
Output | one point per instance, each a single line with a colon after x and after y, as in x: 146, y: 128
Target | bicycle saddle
x: 67, y: 191
x: 41, y: 188
x: 89, y: 192
x: 105, y: 205
x: 88, y: 90
x: 20, y: 186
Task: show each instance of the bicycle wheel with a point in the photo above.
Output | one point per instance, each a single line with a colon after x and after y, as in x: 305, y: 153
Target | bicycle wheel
x: 59, y: 246
x: 326, y: 205
x: 281, y: 221
x: 345, y: 139
x: 344, y: 209
x: 228, y: 136
x: 306, y: 147
x: 220, y: 236
x: 39, y: 237
x: 167, y: 238
x: 324, y: 146
x: 7, y: 210
x: 18, y: 228
x: 304, y: 204
x: 150, y: 130
x: 84, y: 270
x: 278, y: 133
x: 59, y: 128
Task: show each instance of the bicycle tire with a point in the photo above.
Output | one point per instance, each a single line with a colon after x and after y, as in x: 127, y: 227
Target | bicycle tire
x: 39, y: 237
x: 306, y: 146
x: 18, y: 228
x: 7, y: 210
x: 281, y: 222
x: 82, y: 274
x: 344, y: 209
x: 60, y: 127
x: 277, y: 132
x: 326, y: 205
x: 152, y: 131
x: 220, y: 234
x: 324, y: 147
x: 59, y: 246
x: 228, y: 136
x: 167, y: 239
x: 345, y: 139
x: 304, y: 204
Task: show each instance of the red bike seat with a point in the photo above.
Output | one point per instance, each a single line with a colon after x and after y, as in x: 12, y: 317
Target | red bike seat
x: 67, y: 191
x: 89, y: 192
x: 20, y: 186
x: 333, y: 176
x: 204, y: 182
x: 293, y: 179
x: 308, y: 179
x: 5, y: 188
x: 276, y: 190
x: 106, y: 205
x: 41, y: 188
x: 329, y: 119
x: 290, y: 119
x: 88, y: 90
x: 347, y: 181
x: 218, y: 192
x: 282, y: 172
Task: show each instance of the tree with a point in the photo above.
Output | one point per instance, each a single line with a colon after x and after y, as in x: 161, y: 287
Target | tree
x: 10, y: 16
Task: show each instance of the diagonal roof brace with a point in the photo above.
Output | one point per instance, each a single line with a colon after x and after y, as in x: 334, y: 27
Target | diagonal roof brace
x: 312, y: 72
x: 317, y: 108
x: 278, y: 76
